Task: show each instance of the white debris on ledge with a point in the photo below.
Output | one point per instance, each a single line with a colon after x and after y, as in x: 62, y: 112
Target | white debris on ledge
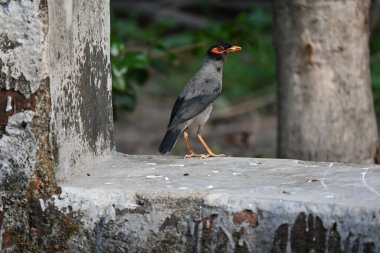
x: 9, y: 104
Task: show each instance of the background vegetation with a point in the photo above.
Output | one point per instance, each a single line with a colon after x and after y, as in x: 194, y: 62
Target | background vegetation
x: 169, y: 52
x: 375, y: 66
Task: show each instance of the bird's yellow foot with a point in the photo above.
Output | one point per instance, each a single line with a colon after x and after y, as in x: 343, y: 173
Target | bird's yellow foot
x: 204, y: 156
x: 190, y: 155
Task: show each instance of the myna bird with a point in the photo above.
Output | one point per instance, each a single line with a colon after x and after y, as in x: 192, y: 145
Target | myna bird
x: 194, y: 105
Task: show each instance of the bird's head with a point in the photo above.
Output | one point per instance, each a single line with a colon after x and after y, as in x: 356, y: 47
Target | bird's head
x: 221, y: 50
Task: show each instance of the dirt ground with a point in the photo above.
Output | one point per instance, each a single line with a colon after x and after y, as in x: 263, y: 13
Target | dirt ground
x: 251, y: 134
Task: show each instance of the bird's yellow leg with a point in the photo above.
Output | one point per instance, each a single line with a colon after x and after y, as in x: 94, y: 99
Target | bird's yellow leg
x: 210, y: 153
x: 187, y: 142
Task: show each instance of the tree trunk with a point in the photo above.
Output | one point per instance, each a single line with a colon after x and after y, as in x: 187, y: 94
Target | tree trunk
x: 325, y: 103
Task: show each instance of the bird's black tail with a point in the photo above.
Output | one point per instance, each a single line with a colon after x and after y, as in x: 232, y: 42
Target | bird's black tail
x: 169, y: 140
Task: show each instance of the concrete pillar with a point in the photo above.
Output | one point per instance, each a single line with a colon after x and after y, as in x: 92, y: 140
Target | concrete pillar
x: 55, y: 111
x: 79, y: 67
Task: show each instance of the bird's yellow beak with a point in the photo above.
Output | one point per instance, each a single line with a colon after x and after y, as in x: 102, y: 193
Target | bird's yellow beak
x: 233, y: 49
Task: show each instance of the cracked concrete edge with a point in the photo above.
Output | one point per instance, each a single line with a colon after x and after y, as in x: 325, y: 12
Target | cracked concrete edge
x: 117, y: 221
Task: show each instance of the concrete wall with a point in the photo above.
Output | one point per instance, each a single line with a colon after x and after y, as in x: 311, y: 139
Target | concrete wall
x: 55, y: 110
x: 54, y: 57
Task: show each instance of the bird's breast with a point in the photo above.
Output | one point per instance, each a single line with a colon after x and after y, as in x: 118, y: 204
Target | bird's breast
x: 201, y: 119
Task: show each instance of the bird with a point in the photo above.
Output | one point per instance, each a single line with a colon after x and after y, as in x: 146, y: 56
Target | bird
x: 194, y: 105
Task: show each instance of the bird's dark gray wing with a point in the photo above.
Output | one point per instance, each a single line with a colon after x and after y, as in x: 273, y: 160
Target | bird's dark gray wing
x: 176, y: 106
x: 187, y: 108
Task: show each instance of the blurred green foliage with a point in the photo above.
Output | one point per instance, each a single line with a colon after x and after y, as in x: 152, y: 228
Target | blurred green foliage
x: 128, y: 69
x: 375, y: 66
x: 174, y: 53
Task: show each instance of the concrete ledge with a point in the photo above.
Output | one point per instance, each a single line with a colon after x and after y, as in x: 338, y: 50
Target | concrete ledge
x: 167, y: 204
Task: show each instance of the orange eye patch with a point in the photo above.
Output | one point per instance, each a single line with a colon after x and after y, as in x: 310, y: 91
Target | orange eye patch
x: 218, y: 50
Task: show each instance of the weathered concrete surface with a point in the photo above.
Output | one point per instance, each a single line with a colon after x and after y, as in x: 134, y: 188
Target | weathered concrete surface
x: 61, y: 46
x: 55, y: 112
x: 21, y: 50
x: 167, y: 204
x: 79, y: 64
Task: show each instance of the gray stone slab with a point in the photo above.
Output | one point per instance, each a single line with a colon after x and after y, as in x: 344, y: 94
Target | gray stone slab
x: 291, y: 180
x: 226, y: 204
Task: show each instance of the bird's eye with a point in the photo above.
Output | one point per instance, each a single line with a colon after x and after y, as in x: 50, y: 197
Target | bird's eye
x: 217, y: 50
